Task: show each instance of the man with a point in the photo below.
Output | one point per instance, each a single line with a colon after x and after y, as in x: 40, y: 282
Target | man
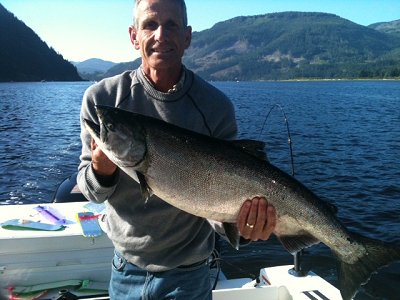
x: 160, y: 251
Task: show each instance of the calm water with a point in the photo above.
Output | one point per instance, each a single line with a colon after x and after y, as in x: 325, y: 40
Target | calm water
x: 346, y: 145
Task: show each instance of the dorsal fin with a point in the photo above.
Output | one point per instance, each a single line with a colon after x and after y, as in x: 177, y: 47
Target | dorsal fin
x: 328, y: 205
x: 332, y: 207
x: 253, y: 147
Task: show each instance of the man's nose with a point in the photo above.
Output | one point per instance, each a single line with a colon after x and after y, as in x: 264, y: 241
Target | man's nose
x: 161, y: 33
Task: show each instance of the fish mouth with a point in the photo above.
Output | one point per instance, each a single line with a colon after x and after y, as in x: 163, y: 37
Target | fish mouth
x: 92, y: 127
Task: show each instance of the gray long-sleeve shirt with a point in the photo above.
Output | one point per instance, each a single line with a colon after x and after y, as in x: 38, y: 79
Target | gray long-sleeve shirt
x: 154, y: 235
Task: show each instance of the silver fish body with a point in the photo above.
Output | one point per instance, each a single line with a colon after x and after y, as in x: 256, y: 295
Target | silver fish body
x: 211, y: 178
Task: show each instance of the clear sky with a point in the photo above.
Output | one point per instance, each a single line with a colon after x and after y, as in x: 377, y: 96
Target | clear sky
x: 83, y: 29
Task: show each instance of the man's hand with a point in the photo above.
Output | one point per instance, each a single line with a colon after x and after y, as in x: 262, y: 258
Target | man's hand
x: 257, y: 219
x: 102, y: 166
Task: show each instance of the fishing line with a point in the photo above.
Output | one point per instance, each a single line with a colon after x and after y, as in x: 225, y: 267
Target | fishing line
x: 287, y: 130
x: 239, y: 269
x: 297, y: 270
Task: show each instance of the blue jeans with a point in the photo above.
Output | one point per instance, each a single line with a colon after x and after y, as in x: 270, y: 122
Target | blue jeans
x: 133, y: 283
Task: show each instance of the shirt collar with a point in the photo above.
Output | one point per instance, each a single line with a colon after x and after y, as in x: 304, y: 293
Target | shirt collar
x: 176, y: 88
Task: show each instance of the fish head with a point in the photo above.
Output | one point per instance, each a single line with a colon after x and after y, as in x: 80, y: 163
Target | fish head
x: 120, y: 136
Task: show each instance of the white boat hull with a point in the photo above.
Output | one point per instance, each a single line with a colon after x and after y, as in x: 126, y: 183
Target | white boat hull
x: 29, y: 258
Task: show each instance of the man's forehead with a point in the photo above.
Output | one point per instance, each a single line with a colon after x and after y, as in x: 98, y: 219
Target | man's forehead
x: 153, y: 7
x: 162, y: 11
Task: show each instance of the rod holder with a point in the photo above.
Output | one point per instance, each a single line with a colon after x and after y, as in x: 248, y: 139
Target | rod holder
x: 297, y: 270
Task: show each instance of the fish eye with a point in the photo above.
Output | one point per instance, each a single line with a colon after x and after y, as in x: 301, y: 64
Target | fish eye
x: 110, y: 126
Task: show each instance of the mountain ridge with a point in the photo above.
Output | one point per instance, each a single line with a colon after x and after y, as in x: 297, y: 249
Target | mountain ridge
x: 92, y: 65
x: 276, y: 46
x: 93, y: 68
x: 392, y: 27
x: 25, y: 57
x: 287, y: 45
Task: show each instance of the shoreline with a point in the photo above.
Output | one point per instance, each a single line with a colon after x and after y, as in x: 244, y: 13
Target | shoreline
x: 258, y: 80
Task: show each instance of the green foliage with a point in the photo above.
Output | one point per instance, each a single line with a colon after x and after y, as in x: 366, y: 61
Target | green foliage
x: 25, y: 57
x: 292, y: 45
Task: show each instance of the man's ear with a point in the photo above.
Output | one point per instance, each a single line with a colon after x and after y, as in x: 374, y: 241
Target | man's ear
x: 188, y: 36
x: 132, y: 35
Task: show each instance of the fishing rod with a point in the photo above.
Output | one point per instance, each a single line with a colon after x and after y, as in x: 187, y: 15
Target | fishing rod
x: 297, y: 270
x: 287, y: 130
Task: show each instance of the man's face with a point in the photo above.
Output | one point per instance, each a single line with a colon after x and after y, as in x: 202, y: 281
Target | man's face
x: 160, y: 34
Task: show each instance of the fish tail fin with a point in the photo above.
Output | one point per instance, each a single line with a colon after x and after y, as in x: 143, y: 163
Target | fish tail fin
x: 378, y: 254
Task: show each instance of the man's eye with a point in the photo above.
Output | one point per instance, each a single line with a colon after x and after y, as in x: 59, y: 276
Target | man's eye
x: 171, y: 26
x: 150, y: 26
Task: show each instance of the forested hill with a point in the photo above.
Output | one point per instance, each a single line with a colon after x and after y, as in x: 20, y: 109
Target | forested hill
x: 25, y: 57
x: 387, y: 27
x: 293, y: 45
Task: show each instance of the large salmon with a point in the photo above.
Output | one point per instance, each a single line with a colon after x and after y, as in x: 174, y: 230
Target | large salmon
x: 211, y: 178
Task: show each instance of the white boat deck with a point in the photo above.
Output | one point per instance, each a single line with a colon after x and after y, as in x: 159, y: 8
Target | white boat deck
x: 283, y: 286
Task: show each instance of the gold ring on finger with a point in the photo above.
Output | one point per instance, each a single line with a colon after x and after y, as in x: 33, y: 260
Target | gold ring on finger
x: 250, y: 226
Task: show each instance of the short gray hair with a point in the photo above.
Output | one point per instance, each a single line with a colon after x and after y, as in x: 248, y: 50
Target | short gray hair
x: 180, y: 2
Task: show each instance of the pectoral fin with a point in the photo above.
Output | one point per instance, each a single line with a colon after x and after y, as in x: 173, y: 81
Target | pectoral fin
x: 232, y: 233
x: 144, y: 187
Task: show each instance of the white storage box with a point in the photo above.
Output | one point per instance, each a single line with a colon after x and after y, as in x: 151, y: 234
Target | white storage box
x: 35, y: 257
